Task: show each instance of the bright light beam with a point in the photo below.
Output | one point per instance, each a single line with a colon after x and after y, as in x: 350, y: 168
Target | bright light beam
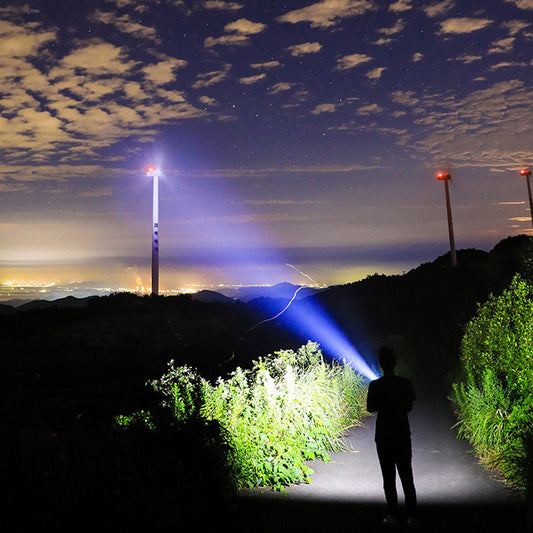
x: 310, y: 320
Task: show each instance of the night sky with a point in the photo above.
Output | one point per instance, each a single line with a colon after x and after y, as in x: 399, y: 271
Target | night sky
x: 302, y: 132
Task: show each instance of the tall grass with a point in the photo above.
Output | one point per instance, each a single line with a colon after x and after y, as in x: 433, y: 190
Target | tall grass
x: 288, y: 408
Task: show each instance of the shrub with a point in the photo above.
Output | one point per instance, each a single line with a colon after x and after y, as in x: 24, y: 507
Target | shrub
x: 494, y: 398
x: 288, y: 408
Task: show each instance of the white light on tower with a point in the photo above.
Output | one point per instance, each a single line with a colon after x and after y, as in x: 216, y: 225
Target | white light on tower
x: 154, y: 172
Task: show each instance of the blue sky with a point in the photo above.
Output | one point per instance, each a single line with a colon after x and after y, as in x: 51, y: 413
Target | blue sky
x: 303, y: 132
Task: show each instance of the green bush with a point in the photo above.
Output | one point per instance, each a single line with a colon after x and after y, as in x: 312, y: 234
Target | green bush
x: 288, y: 408
x: 494, y: 397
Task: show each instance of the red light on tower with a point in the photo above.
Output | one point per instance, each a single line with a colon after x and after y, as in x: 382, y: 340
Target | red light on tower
x: 527, y: 173
x: 445, y: 177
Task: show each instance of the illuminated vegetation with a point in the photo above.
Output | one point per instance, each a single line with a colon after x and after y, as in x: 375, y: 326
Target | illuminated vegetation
x: 494, y: 398
x: 288, y: 408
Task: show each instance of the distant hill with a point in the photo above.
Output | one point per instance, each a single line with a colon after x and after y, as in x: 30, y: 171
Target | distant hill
x: 281, y: 290
x: 210, y: 296
x: 70, y: 302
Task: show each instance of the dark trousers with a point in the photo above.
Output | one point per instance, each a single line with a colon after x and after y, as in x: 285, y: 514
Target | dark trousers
x: 392, y: 456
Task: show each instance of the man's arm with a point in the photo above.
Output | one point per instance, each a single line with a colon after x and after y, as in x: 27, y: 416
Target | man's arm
x: 372, y: 401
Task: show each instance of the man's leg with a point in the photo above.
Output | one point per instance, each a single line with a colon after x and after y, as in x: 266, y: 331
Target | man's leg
x: 405, y: 472
x: 388, y: 470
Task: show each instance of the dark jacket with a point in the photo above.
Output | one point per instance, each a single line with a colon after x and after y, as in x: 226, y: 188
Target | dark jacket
x: 392, y: 397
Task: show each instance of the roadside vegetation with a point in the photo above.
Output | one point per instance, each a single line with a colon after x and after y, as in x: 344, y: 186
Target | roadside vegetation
x: 287, y: 408
x: 494, y: 396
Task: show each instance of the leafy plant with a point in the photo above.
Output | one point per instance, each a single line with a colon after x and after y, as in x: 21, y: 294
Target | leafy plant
x: 493, y: 398
x: 288, y: 408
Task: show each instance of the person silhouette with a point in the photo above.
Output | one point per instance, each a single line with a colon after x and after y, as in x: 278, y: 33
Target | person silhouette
x: 392, y: 397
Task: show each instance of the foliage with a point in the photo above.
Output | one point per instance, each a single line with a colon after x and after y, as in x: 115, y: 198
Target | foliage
x: 146, y: 471
x: 493, y: 399
x: 288, y: 408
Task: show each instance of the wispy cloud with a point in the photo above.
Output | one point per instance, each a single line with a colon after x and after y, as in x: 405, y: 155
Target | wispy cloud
x: 304, y: 48
x: 502, y: 46
x: 281, y: 87
x: 351, y: 61
x: 237, y: 33
x: 369, y: 109
x: 327, y: 13
x: 521, y: 4
x: 266, y: 65
x: 375, y: 73
x: 324, y: 108
x: 460, y: 25
x: 224, y: 6
x: 439, y: 8
x: 393, y: 30
x: 250, y: 80
x: 400, y: 6
x: 206, y: 79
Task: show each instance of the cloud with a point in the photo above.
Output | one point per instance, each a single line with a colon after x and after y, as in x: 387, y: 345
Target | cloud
x: 521, y: 4
x: 267, y: 65
x: 375, y: 73
x: 125, y: 24
x: 99, y: 57
x: 466, y: 58
x: 507, y: 64
x: 327, y: 13
x: 459, y: 25
x: 502, y: 46
x: 417, y: 56
x: 351, y: 61
x: 237, y: 33
x: 70, y: 106
x: 164, y: 71
x: 250, y: 80
x: 245, y: 27
x: 304, y: 48
x: 206, y: 79
x: 489, y: 127
x: 400, y: 5
x: 440, y: 8
x: 397, y: 28
x: 324, y: 108
x: 280, y: 87
x: 207, y: 100
x: 369, y: 109
x: 17, y: 41
x: 224, y: 6
x: 515, y: 26
x: 383, y: 41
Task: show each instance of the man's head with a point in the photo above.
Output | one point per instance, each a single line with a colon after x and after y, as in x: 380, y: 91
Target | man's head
x: 387, y: 359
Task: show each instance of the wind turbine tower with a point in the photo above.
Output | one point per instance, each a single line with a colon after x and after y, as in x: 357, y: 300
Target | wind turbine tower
x: 154, y: 173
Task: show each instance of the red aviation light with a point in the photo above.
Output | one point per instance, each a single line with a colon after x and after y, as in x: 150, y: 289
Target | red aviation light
x: 443, y: 175
x: 525, y: 172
